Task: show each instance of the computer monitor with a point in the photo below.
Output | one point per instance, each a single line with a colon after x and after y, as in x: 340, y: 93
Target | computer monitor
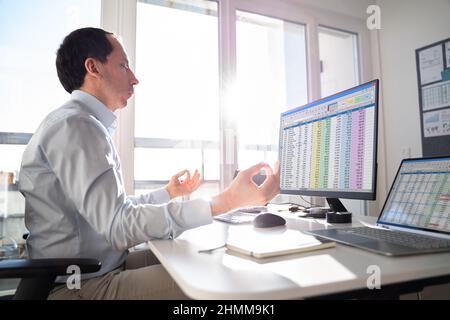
x: 328, y: 147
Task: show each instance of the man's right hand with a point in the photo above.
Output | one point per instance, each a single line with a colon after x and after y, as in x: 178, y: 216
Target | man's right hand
x: 243, y: 191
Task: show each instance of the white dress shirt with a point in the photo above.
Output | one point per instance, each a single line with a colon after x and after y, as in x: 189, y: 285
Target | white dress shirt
x: 76, y: 206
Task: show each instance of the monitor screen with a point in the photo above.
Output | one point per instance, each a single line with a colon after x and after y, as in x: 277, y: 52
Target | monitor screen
x: 329, y: 147
x: 420, y: 196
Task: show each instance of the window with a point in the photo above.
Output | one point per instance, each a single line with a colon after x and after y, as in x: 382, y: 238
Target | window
x: 339, y: 60
x: 271, y: 77
x: 30, y: 34
x: 177, y: 99
x: 29, y: 86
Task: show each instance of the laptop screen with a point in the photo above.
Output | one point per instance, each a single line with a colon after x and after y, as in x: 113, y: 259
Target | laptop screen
x: 420, y: 196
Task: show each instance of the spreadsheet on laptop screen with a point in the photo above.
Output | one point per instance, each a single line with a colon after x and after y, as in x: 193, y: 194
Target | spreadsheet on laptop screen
x: 420, y: 196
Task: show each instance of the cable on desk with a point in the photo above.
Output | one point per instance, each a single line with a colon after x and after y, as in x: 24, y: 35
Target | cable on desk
x: 311, y: 204
x: 296, y: 206
x: 291, y: 203
x: 293, y: 207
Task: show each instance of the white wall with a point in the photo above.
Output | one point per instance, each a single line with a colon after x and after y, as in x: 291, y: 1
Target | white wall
x: 405, y: 26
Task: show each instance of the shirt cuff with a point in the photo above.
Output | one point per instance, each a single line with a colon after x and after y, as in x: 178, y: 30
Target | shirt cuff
x: 158, y: 196
x: 200, y: 212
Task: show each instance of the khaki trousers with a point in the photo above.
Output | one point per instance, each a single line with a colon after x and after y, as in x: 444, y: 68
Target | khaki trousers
x: 142, y: 277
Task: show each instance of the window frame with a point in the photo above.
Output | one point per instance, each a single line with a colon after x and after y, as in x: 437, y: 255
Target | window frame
x: 356, y: 49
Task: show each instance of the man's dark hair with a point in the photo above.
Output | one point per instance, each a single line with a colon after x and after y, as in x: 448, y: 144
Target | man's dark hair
x: 75, y: 49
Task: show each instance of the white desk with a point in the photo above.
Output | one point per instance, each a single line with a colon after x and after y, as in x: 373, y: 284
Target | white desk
x: 226, y: 275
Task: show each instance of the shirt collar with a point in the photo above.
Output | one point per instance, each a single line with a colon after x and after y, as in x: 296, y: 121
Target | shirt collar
x: 97, y: 108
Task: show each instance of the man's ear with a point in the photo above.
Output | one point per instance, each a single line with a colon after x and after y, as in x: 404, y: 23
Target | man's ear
x: 92, y: 67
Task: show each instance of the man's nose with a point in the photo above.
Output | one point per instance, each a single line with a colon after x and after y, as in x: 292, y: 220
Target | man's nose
x: 134, y: 80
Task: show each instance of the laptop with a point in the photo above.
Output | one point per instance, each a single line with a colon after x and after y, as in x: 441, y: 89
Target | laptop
x: 415, y: 218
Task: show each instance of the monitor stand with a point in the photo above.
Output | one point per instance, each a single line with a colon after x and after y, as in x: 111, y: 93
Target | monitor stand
x: 336, y: 205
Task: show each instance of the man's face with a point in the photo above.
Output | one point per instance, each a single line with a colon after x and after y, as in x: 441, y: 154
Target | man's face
x: 118, y: 79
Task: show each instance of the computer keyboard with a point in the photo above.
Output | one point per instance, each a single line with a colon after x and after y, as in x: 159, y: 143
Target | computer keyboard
x: 257, y: 209
x: 401, y: 238
x: 242, y: 215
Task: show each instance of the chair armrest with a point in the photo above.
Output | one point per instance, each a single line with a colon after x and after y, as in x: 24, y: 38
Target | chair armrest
x: 29, y: 268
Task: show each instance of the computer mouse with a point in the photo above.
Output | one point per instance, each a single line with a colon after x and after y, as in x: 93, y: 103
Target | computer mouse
x: 268, y: 220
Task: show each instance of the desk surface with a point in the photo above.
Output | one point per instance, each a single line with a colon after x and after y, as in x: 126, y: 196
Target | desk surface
x: 226, y: 275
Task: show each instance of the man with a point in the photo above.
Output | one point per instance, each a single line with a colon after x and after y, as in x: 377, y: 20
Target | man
x: 71, y: 177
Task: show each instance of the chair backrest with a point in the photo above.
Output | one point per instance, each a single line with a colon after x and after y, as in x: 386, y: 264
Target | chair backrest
x: 38, y: 275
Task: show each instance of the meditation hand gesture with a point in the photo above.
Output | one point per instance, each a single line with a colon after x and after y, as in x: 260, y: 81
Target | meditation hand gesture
x: 181, y: 185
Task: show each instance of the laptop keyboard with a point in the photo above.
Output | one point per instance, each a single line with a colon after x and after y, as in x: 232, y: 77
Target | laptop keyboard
x: 401, y: 238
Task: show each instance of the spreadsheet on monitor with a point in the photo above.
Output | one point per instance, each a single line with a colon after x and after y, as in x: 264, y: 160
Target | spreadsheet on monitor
x: 329, y: 145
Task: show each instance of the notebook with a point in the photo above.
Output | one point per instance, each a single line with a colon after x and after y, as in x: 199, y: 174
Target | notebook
x: 275, y: 242
x: 415, y: 217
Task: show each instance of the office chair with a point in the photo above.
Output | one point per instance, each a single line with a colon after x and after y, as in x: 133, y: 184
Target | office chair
x: 38, y: 275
